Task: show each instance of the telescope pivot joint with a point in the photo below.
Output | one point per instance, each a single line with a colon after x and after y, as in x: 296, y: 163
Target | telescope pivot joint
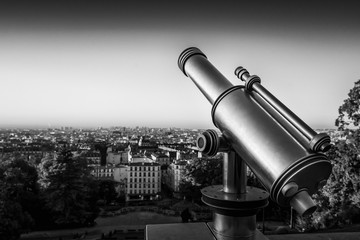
x: 210, y: 143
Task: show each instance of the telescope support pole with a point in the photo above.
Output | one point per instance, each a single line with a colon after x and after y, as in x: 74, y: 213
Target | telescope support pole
x: 225, y: 225
x: 235, y: 204
x: 234, y: 173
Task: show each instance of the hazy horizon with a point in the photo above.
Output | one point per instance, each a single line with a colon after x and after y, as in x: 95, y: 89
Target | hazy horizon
x: 103, y: 64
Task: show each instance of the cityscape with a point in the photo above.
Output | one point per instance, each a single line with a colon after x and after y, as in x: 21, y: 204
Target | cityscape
x: 159, y: 154
x: 143, y: 166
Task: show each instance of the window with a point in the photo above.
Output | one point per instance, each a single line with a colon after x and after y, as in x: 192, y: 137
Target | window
x: 130, y: 185
x: 135, y: 185
x: 135, y: 174
x: 153, y: 185
x: 149, y: 174
x: 139, y: 174
x: 153, y: 174
x: 139, y: 179
x: 130, y: 174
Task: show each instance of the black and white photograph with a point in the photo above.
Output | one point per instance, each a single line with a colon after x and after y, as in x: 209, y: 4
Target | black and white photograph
x: 178, y: 120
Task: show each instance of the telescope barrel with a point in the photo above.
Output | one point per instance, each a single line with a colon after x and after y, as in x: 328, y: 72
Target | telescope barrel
x: 206, y: 77
x: 290, y: 171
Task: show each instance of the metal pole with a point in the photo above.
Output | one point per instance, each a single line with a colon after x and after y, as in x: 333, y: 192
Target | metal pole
x: 234, y: 173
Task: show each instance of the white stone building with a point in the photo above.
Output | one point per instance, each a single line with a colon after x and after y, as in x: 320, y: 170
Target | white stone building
x: 143, y: 181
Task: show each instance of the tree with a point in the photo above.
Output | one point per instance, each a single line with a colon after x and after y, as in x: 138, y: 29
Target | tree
x: 349, y: 111
x: 18, y: 191
x: 70, y: 191
x: 190, y: 191
x: 102, y: 148
x: 200, y: 173
x: 107, y: 191
x: 339, y: 199
x: 205, y: 172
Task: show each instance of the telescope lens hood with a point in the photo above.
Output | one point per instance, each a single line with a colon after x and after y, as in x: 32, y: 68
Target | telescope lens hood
x: 186, y: 54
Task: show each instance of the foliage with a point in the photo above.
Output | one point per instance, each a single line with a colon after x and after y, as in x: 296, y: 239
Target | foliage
x: 339, y: 199
x: 107, y: 191
x: 190, y: 191
x: 44, y: 168
x: 200, y: 173
x: 205, y: 172
x: 102, y: 148
x: 349, y: 111
x: 18, y: 190
x: 70, y: 192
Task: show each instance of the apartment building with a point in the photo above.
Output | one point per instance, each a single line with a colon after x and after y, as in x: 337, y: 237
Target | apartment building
x: 118, y: 157
x: 176, y: 172
x: 93, y: 158
x: 103, y: 172
x: 143, y: 181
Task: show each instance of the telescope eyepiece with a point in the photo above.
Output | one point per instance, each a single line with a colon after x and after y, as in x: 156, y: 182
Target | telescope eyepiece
x: 303, y: 203
x: 241, y: 73
x: 208, y: 142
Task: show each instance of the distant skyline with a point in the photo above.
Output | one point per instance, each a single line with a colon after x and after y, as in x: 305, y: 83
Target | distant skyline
x: 108, y: 63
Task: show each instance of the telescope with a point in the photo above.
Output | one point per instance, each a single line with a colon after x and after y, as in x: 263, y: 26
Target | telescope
x: 258, y: 131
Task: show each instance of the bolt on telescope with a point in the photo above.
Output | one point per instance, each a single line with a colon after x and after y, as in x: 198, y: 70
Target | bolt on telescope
x: 285, y: 154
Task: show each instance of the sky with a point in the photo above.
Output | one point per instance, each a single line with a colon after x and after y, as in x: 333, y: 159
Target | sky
x: 114, y: 63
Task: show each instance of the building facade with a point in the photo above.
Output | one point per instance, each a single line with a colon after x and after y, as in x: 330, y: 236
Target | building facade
x: 118, y: 157
x: 143, y: 181
x: 176, y: 172
x: 163, y: 159
x: 103, y: 172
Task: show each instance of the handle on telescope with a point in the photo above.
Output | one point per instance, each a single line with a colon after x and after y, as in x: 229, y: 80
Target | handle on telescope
x: 308, y: 137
